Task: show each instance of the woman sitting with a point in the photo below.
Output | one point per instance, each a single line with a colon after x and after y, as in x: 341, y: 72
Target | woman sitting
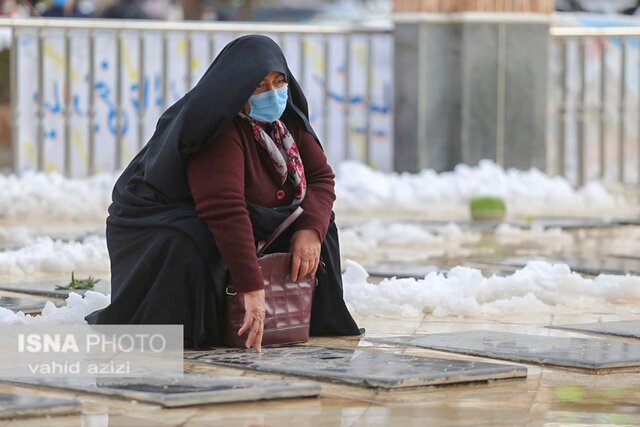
x: 226, y: 165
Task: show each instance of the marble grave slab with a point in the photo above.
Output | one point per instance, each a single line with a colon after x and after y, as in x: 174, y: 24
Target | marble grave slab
x: 20, y: 406
x: 595, y: 266
x: 402, y: 271
x: 48, y: 288
x: 568, y: 223
x: 622, y: 328
x: 192, y: 389
x: 24, y: 304
x: 586, y: 353
x: 418, y: 272
x: 372, y: 369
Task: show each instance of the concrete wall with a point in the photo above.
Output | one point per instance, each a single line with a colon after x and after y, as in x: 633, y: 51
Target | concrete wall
x: 470, y: 86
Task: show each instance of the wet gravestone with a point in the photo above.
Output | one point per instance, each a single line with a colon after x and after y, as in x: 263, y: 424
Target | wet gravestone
x: 595, y: 266
x: 19, y: 406
x: 362, y: 368
x: 24, y: 304
x: 402, y: 271
x: 419, y: 272
x: 48, y: 288
x: 575, y: 223
x: 623, y: 328
x: 634, y: 256
x: 192, y: 389
x: 587, y: 353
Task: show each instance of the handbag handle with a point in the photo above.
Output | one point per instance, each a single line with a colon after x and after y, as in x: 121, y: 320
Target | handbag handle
x: 262, y: 246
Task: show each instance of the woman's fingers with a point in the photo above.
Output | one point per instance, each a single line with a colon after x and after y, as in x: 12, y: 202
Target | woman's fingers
x: 305, y: 251
x: 302, y: 268
x: 315, y: 268
x: 295, y: 266
x: 248, y: 321
x: 253, y: 318
x: 255, y: 326
x: 255, y: 339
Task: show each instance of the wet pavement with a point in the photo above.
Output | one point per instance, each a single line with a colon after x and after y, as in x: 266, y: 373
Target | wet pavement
x: 547, y: 396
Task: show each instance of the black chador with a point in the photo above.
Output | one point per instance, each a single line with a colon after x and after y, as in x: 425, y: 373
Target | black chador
x: 165, y: 268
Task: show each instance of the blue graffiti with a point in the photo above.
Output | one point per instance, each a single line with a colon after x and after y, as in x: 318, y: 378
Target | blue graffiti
x: 56, y: 106
x: 383, y: 108
x: 104, y: 92
x: 76, y: 105
x: 135, y: 95
x: 50, y: 134
x: 157, y: 85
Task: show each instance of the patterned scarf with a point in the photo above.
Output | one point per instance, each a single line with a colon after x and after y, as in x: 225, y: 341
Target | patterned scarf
x: 284, y: 154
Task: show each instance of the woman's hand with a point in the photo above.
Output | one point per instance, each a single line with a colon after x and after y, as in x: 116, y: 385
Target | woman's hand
x: 254, y: 311
x: 305, y: 253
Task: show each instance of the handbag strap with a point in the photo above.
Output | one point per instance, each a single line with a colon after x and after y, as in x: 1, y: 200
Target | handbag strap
x: 262, y: 246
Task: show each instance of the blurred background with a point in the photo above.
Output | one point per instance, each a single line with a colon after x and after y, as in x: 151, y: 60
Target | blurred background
x: 257, y: 10
x: 563, y: 102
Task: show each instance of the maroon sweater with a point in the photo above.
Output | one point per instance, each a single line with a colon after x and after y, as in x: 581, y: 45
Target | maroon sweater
x: 236, y: 169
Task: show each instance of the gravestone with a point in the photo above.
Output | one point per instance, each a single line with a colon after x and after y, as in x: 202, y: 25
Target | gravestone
x: 19, y: 406
x: 24, y: 304
x: 362, y: 368
x: 594, y: 266
x: 192, y: 389
x: 623, y: 328
x: 48, y: 288
x: 594, y: 354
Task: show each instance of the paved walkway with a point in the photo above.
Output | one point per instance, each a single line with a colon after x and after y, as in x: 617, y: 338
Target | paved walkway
x: 548, y: 396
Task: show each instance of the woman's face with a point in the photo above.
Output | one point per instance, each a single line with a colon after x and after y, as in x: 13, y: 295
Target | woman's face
x: 273, y: 80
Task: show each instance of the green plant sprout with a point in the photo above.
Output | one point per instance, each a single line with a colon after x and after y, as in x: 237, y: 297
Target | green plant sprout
x: 78, y: 284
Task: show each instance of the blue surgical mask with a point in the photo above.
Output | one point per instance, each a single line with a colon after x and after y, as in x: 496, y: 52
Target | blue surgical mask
x: 268, y: 106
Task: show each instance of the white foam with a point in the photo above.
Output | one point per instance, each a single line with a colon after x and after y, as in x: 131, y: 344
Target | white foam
x: 45, y: 255
x: 538, y: 287
x: 50, y: 196
x: 73, y: 312
x: 37, y: 196
x: 360, y: 188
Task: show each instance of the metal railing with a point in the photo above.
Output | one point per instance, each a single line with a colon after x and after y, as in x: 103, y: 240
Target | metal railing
x: 594, y: 92
x: 595, y: 104
x: 329, y: 42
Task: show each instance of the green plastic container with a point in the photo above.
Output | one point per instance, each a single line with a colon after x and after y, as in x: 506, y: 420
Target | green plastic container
x: 487, y: 208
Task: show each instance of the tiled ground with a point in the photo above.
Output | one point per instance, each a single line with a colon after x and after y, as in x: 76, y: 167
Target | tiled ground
x: 547, y: 397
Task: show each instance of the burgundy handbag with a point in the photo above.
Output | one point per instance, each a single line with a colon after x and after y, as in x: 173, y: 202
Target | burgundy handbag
x: 287, y: 303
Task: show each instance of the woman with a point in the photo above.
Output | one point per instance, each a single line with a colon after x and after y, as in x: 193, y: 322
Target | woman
x: 227, y: 163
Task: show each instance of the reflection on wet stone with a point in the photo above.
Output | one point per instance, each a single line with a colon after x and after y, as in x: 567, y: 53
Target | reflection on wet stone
x: 362, y: 368
x: 419, y: 272
x: 402, y: 271
x: 559, y: 351
x: 594, y: 266
x: 565, y: 223
x: 26, y: 305
x: 192, y: 389
x: 16, y: 406
x: 623, y: 328
x: 577, y: 223
x: 48, y: 288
